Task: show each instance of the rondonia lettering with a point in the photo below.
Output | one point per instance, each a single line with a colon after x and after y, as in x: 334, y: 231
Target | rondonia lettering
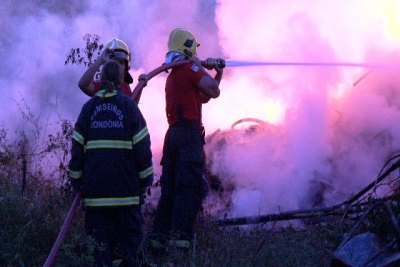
x: 106, y: 124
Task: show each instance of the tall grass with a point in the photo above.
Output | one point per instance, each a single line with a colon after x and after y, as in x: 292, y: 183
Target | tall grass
x: 33, y: 207
x: 30, y: 222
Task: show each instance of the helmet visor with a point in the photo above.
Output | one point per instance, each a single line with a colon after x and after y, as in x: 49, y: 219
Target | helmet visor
x: 119, y: 55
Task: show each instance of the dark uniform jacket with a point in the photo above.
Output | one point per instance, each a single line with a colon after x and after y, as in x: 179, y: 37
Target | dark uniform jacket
x: 111, y: 160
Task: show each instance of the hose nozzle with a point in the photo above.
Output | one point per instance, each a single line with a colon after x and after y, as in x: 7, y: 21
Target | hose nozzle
x: 211, y: 63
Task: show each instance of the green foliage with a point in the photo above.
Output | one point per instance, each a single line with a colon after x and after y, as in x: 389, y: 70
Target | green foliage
x: 9, y: 158
x: 29, y: 222
x: 382, y: 219
x: 85, y: 55
x: 261, y: 245
x: 32, y: 210
x: 77, y: 251
x: 58, y: 146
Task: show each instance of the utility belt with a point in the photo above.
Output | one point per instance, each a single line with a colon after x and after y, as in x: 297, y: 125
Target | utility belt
x: 188, y: 123
x: 193, y: 124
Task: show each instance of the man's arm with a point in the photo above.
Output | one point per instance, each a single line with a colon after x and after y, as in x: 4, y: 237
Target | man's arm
x: 86, y: 81
x: 208, y: 86
x: 142, y: 154
x: 76, y: 163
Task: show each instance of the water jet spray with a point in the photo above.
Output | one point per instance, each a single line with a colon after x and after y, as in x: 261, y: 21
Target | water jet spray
x: 221, y: 63
x: 237, y: 63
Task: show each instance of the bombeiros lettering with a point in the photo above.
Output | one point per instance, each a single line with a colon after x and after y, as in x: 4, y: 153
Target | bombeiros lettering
x: 107, y: 107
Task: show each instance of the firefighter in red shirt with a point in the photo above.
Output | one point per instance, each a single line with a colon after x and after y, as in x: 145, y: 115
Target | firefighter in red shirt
x: 116, y: 50
x: 183, y: 187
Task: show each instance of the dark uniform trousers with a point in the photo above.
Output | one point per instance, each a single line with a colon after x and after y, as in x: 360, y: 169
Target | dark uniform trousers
x: 122, y: 225
x: 182, y: 184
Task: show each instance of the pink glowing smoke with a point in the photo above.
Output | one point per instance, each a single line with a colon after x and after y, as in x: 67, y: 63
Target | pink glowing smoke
x: 330, y: 138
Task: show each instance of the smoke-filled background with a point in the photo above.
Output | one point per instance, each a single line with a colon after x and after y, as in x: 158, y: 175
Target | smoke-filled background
x: 327, y: 131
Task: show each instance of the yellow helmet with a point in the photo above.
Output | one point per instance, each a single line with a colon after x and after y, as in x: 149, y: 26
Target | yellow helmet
x: 181, y: 40
x: 121, y: 50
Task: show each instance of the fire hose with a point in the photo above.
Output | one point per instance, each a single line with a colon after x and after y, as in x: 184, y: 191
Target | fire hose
x: 64, y: 230
x: 137, y: 92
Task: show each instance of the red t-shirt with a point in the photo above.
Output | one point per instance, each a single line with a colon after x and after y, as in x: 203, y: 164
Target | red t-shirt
x: 125, y: 89
x: 182, y: 94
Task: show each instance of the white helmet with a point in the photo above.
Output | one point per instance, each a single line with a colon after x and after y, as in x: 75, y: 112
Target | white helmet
x: 120, y: 50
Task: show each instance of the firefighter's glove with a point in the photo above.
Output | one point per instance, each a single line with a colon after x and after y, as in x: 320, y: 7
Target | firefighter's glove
x: 143, y: 78
x: 210, y: 63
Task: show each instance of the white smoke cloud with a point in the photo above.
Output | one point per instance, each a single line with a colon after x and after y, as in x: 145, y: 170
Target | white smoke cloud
x: 326, y: 144
x: 321, y: 132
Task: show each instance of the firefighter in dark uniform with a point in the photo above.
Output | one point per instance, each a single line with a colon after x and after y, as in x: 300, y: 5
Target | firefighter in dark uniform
x: 183, y: 187
x: 111, y: 165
